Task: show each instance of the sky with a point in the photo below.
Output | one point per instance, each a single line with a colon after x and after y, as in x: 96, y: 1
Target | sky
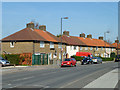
x: 83, y: 17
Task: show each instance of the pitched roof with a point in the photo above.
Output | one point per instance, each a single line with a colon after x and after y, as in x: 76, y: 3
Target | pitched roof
x: 73, y: 40
x: 25, y: 34
x: 115, y: 45
x: 48, y: 36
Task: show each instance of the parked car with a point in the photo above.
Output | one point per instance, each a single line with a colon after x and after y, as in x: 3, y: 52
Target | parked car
x: 69, y: 62
x: 87, y: 60
x: 97, y: 60
x: 4, y: 62
x: 117, y: 59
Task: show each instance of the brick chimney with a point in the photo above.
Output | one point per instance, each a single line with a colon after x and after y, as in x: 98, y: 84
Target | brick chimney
x: 89, y: 36
x: 101, y: 38
x: 116, y: 41
x: 66, y: 33
x: 82, y: 35
x: 42, y: 27
x: 30, y: 25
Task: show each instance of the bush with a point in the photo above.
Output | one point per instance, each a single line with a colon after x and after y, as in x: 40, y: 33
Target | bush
x: 13, y: 58
x: 107, y: 59
x: 112, y: 55
x: 77, y: 58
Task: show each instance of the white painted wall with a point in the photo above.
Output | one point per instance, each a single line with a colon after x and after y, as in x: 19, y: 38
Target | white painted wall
x: 71, y: 51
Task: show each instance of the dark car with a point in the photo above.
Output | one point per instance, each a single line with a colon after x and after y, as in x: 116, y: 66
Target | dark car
x: 87, y: 60
x: 4, y: 62
x: 117, y: 59
x: 69, y: 62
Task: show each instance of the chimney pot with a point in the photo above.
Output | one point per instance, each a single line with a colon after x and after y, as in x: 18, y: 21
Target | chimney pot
x: 30, y: 25
x: 101, y: 38
x: 66, y: 33
x: 82, y: 35
x: 42, y: 27
x: 89, y: 36
x: 116, y: 41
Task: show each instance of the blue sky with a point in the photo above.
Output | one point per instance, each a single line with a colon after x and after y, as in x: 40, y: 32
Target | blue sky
x: 84, y: 17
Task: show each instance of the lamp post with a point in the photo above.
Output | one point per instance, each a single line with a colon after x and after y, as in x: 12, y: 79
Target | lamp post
x: 105, y: 42
x: 117, y: 46
x: 61, y: 35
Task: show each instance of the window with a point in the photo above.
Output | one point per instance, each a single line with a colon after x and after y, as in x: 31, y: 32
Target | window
x: 75, y: 47
x: 12, y: 44
x: 91, y: 48
x: 51, y: 45
x: 112, y: 49
x: 59, y: 45
x: 101, y: 48
x: 42, y: 45
x: 101, y: 55
x: 86, y: 48
x: 80, y: 47
x: 70, y: 47
x: 96, y: 48
x: 59, y: 55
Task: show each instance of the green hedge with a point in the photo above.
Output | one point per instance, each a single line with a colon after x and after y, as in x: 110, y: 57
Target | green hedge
x: 77, y: 58
x: 107, y: 59
x: 13, y: 58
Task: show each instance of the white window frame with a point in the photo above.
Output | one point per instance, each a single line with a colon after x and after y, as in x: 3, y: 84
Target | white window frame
x: 42, y: 44
x: 112, y: 49
x: 86, y: 48
x: 59, y: 45
x: 101, y: 48
x: 80, y: 47
x: 70, y: 47
x: 91, y: 48
x: 11, y: 44
x: 51, y: 45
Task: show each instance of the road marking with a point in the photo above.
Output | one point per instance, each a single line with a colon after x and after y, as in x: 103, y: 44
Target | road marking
x: 9, y: 84
x: 23, y: 78
x: 108, y: 80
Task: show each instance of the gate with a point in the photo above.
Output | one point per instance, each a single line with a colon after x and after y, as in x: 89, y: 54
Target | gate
x: 41, y: 59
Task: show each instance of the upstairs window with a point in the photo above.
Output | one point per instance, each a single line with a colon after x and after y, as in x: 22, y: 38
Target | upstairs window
x: 80, y: 47
x: 86, y: 48
x: 51, y: 45
x: 101, y: 48
x: 96, y: 48
x: 59, y: 45
x: 91, y: 48
x: 11, y: 44
x: 75, y: 47
x: 42, y: 45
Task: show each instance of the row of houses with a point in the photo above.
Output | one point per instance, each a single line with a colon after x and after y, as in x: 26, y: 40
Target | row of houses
x: 40, y: 41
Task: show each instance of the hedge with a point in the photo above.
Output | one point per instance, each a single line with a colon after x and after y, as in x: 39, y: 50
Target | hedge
x: 13, y: 58
x: 77, y: 58
x: 107, y: 59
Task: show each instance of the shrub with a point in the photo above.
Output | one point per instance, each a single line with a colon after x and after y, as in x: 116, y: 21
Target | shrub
x: 13, y: 58
x: 77, y: 58
x: 112, y: 55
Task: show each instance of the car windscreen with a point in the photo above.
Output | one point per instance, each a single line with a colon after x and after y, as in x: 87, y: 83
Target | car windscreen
x: 93, y: 57
x: 67, y: 59
x: 85, y: 59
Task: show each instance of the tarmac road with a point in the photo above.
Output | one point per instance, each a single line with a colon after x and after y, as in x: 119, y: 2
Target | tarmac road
x: 65, y: 77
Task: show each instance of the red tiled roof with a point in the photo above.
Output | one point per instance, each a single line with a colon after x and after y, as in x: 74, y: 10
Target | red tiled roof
x: 115, y: 45
x: 25, y: 34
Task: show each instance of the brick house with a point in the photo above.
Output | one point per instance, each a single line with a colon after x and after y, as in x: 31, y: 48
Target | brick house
x: 87, y: 44
x: 32, y: 40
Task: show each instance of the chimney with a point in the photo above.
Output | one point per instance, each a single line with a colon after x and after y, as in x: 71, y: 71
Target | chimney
x: 101, y: 38
x: 89, y: 36
x: 30, y: 25
x: 116, y: 41
x: 66, y: 33
x: 82, y: 35
x: 42, y: 27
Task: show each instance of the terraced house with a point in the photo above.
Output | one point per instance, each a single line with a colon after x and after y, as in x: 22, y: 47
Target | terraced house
x: 87, y: 44
x: 32, y: 40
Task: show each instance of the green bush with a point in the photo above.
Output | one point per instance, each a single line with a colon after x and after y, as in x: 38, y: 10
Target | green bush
x: 112, y: 55
x: 107, y: 59
x: 13, y: 58
x: 77, y: 58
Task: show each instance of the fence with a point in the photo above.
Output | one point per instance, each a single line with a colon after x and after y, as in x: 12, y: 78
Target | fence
x: 40, y: 59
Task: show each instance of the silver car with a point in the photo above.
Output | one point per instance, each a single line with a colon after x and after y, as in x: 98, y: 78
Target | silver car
x: 97, y: 60
x: 4, y: 62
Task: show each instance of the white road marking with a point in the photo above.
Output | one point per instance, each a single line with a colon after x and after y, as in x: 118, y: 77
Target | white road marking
x: 23, y: 78
x: 9, y: 84
x: 108, y: 80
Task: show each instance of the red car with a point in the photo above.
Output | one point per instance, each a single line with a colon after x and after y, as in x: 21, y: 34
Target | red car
x: 69, y: 62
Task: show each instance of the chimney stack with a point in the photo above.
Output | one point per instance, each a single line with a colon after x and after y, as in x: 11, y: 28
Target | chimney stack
x: 66, y: 33
x: 89, y: 36
x: 30, y: 25
x: 82, y: 35
x: 42, y: 27
x: 116, y: 41
x: 101, y: 38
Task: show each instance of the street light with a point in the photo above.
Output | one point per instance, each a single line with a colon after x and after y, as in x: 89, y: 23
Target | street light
x: 61, y: 35
x: 105, y: 42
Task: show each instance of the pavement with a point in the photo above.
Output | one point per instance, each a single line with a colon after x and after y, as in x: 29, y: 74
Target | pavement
x: 82, y: 76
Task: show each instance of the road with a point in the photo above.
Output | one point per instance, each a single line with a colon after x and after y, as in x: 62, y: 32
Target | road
x: 65, y: 77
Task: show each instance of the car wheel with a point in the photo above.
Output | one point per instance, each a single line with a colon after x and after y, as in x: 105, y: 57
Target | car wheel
x: 75, y: 65
x: 82, y: 63
x: 71, y: 65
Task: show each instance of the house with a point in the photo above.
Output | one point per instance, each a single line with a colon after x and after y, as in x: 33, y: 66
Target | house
x: 87, y: 44
x: 34, y: 40
x: 117, y: 45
